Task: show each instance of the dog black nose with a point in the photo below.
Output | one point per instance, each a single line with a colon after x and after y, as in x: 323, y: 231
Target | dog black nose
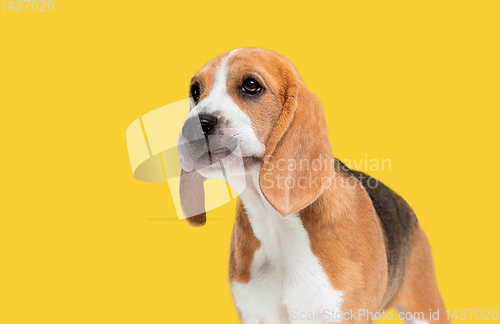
x: 198, y: 126
x: 208, y: 123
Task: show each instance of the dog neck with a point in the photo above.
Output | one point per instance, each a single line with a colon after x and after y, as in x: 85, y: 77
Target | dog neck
x: 278, y: 234
x: 280, y: 237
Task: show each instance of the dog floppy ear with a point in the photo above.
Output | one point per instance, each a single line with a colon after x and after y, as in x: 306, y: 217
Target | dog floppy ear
x: 192, y: 197
x: 298, y: 162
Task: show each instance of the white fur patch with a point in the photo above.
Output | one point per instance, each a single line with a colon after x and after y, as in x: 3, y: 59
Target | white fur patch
x: 287, y: 280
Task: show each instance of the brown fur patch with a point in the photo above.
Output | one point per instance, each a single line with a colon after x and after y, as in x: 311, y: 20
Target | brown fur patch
x: 419, y: 292
x: 205, y: 77
x: 243, y: 246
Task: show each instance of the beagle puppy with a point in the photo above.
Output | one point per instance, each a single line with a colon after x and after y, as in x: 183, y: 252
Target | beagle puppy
x: 313, y: 241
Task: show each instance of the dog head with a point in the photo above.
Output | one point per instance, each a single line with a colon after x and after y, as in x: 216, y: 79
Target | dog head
x: 250, y: 107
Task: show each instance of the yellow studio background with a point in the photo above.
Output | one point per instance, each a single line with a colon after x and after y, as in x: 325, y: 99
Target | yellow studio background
x: 82, y: 241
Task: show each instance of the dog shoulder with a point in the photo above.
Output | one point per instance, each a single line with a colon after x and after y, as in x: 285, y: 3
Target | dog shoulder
x: 398, y: 221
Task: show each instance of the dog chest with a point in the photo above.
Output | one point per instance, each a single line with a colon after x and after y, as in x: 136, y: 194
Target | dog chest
x: 286, y: 278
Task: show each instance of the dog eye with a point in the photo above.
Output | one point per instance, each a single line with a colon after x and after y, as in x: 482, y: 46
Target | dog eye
x: 250, y: 86
x: 195, y: 92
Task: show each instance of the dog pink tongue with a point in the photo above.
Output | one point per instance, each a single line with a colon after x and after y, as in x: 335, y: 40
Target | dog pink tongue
x: 220, y: 150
